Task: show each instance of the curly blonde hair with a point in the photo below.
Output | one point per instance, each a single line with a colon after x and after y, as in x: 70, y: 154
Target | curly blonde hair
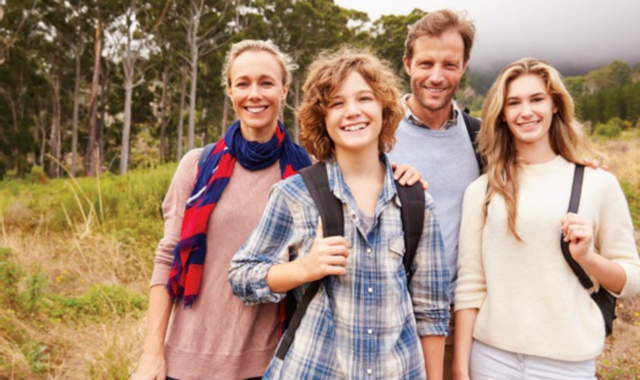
x: 496, y: 142
x: 326, y: 74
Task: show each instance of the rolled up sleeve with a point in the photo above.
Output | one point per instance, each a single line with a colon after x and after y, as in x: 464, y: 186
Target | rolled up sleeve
x: 267, y: 245
x: 430, y: 280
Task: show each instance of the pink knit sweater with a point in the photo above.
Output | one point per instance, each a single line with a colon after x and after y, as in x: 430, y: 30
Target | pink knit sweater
x: 219, y: 338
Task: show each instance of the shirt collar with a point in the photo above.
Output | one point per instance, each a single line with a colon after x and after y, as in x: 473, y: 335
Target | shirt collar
x: 413, y: 119
x: 340, y: 189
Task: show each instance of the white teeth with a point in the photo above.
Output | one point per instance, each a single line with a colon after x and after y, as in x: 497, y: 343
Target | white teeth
x: 256, y: 109
x: 529, y: 124
x: 437, y: 90
x: 355, y: 127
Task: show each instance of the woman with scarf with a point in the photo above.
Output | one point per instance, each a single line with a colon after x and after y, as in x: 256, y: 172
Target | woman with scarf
x: 196, y: 328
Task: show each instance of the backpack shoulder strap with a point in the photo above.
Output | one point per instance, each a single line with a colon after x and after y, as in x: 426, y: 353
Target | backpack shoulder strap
x: 330, y: 209
x: 206, y: 152
x: 574, y: 204
x: 473, y: 128
x: 412, y: 213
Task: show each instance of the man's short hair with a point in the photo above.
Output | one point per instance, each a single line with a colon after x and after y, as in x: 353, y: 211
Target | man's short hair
x: 435, y: 24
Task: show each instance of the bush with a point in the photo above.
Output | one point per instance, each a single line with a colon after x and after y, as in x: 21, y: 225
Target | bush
x: 609, y: 130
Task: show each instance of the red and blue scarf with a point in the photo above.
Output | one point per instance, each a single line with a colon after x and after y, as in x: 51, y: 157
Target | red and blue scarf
x: 213, y: 176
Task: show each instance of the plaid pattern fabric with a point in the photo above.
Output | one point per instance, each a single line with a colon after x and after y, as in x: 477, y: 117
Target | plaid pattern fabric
x: 413, y: 119
x: 365, y: 324
x: 212, y: 178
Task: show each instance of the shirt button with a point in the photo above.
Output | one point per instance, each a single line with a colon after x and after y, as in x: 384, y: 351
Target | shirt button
x: 370, y: 331
x: 369, y: 371
x: 370, y: 290
x: 353, y: 216
x: 368, y: 250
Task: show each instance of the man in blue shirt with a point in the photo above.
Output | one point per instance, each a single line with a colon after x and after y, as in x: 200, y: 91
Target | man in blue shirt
x: 432, y: 135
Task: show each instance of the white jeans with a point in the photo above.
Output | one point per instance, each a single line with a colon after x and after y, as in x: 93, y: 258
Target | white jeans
x: 490, y: 363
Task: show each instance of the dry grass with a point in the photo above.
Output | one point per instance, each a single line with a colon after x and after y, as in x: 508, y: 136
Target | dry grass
x: 50, y: 339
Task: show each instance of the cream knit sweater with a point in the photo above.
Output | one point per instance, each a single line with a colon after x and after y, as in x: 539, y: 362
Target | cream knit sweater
x: 529, y: 300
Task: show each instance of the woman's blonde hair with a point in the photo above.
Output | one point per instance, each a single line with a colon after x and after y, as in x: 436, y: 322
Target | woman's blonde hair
x: 326, y: 74
x: 284, y: 60
x: 496, y: 142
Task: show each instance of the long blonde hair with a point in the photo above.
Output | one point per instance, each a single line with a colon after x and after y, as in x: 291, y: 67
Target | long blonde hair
x: 496, y: 142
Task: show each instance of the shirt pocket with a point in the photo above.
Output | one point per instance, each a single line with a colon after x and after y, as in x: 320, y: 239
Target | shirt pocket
x: 396, y: 245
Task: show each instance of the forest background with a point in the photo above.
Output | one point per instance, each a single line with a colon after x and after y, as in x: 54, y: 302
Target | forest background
x: 98, y: 101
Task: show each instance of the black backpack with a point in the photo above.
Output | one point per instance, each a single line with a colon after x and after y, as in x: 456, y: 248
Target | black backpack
x: 330, y: 208
x: 605, y: 301
x: 473, y: 127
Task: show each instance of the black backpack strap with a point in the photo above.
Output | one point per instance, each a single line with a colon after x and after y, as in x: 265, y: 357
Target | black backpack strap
x: 206, y: 152
x: 412, y: 213
x: 574, y: 204
x: 473, y: 128
x: 330, y: 208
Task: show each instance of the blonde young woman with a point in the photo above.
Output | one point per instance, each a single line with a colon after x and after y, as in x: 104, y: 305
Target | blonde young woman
x: 364, y: 322
x: 521, y: 312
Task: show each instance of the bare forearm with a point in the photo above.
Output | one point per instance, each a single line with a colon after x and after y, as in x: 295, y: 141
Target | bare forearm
x: 283, y: 277
x: 465, y: 320
x: 433, y: 349
x: 157, y: 320
x: 608, y: 273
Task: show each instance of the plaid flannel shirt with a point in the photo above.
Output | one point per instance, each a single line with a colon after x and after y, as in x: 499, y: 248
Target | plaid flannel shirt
x: 365, y: 324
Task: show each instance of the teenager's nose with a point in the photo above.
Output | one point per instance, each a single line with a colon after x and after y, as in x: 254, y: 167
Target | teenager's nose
x: 527, y: 112
x: 352, y: 109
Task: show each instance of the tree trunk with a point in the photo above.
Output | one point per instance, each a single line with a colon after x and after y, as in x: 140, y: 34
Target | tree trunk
x: 89, y: 166
x: 183, y: 90
x: 192, y: 38
x: 296, y: 103
x: 104, y: 97
x: 164, y: 112
x: 126, y: 129
x: 54, y: 141
x: 76, y: 103
x: 192, y: 99
x: 225, y: 115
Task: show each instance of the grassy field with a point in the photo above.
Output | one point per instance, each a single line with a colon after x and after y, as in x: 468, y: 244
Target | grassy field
x: 76, y: 258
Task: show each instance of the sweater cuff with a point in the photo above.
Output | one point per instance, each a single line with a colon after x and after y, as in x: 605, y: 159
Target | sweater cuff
x: 160, y: 275
x: 632, y: 286
x: 468, y: 304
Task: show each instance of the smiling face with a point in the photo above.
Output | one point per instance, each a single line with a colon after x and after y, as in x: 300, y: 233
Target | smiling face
x: 436, y: 67
x: 528, y: 111
x: 354, y: 117
x: 257, y: 92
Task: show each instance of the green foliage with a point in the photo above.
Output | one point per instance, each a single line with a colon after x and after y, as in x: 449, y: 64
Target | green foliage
x: 608, y: 130
x: 632, y: 193
x: 10, y: 275
x: 612, y: 91
x: 31, y: 298
x: 132, y: 201
x: 37, y: 356
x: 100, y: 301
x: 37, y: 175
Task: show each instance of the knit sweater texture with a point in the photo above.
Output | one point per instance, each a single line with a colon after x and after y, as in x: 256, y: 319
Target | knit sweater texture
x: 529, y: 300
x: 445, y: 158
x: 219, y: 337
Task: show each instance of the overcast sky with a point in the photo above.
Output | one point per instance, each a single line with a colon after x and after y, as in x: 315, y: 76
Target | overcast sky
x: 567, y: 33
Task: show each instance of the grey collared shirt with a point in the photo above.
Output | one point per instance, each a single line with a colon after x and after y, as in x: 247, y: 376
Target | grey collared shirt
x: 413, y: 119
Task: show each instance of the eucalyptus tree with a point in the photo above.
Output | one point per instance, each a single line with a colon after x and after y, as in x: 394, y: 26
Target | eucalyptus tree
x: 207, y: 28
x: 304, y: 28
x: 388, y: 35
